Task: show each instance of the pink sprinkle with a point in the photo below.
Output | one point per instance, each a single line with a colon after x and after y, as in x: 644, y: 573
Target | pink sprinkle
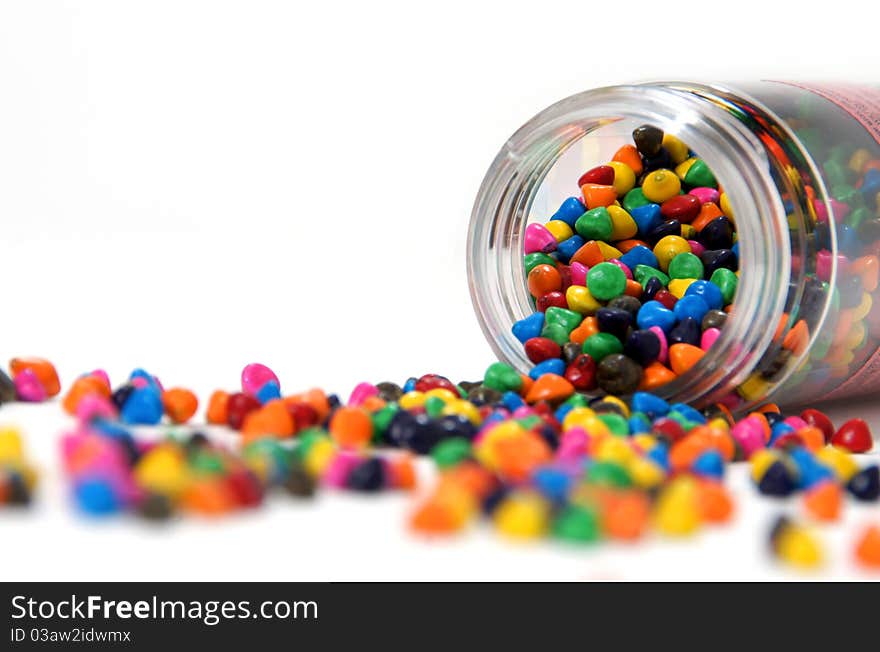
x: 796, y: 422
x: 579, y: 274
x: 706, y: 195
x: 824, y: 265
x: 254, y: 376
x: 710, y: 335
x: 664, y: 345
x: 139, y: 382
x: 28, y: 387
x: 95, y: 406
x: 361, y: 393
x: 572, y: 445
x: 522, y: 412
x: 538, y: 239
x: 821, y: 211
x: 749, y: 434
x: 340, y: 468
x: 626, y: 270
x: 840, y: 209
x: 696, y: 247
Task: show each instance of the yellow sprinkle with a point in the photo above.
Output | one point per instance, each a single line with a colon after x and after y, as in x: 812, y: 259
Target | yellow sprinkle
x: 799, y: 547
x: 682, y: 168
x: 624, y: 177
x: 522, y: 515
x: 623, y: 226
x: 577, y: 417
x: 579, y: 299
x: 608, y: 252
x: 839, y: 461
x: 559, y: 230
x: 318, y: 458
x: 678, y: 151
x: 412, y: 399
x: 678, y: 286
x: 442, y: 393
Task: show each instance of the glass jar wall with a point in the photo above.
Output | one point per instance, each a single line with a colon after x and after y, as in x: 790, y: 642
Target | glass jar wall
x: 800, y: 171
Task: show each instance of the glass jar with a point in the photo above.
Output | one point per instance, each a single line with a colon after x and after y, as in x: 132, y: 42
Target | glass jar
x: 801, y: 166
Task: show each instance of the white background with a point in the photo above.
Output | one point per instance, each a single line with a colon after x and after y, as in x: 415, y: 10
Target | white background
x: 191, y: 186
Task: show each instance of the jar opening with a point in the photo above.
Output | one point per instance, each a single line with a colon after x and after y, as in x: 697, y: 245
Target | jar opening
x: 535, y: 170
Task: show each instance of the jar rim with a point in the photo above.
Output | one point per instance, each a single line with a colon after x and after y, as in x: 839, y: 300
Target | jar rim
x: 739, y: 160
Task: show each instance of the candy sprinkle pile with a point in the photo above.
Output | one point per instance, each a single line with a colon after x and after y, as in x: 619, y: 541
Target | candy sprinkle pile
x: 632, y: 281
x: 531, y: 455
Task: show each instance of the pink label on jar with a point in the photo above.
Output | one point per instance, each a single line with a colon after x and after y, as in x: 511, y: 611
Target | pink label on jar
x: 863, y: 104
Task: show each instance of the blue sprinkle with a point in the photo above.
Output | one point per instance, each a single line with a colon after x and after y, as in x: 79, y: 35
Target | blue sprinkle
x: 409, y: 385
x: 871, y: 184
x: 647, y: 218
x: 95, y: 496
x: 810, y: 471
x: 688, y: 412
x: 639, y: 423
x: 848, y: 241
x: 551, y: 482
x: 142, y: 373
x: 568, y: 247
x: 709, y: 464
x: 650, y: 404
x: 143, y: 406
x: 692, y: 306
x: 654, y: 313
x: 709, y: 292
x: 660, y: 455
x: 526, y: 329
x: 551, y: 366
x: 563, y: 411
x: 639, y: 255
x: 495, y: 417
x: 268, y: 392
x: 778, y: 430
x: 570, y: 210
x: 512, y: 401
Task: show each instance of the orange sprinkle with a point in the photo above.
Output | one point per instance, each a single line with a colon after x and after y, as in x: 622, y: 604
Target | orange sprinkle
x: 629, y: 155
x: 708, y: 212
x: 823, y: 502
x: 351, y: 427
x: 273, y: 420
x: 797, y: 338
x: 684, y: 356
x: 868, y: 548
x: 81, y: 388
x: 656, y: 375
x: 549, y: 387
x: 625, y: 515
x: 589, y: 326
x: 180, y: 404
x: 596, y: 196
x: 43, y: 369
x: 713, y: 502
x: 217, y: 408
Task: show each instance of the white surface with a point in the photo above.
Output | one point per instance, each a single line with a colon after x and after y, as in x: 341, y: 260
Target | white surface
x: 191, y: 186
x: 341, y: 536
